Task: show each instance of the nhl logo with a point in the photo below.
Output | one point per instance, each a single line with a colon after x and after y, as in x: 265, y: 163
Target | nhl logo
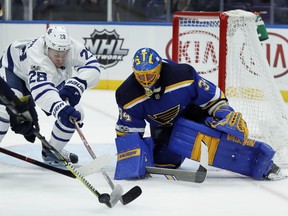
x: 107, y: 47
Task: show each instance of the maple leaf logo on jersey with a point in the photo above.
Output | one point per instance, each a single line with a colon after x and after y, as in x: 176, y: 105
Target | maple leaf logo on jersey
x: 165, y: 118
x: 107, y: 47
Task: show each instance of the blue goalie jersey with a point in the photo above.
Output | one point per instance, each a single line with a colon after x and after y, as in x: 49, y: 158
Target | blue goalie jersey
x: 180, y: 89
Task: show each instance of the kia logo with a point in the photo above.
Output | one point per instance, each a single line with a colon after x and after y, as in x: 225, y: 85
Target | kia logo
x: 201, y: 49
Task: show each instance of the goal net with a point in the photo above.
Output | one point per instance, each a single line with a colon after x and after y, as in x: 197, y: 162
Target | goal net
x: 224, y: 48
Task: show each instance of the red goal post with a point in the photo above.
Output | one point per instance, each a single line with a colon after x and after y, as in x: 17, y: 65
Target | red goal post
x: 219, y: 19
x: 224, y: 48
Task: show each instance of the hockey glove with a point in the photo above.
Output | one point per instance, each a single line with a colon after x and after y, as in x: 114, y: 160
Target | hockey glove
x: 228, y: 121
x: 25, y: 122
x: 73, y: 90
x: 65, y: 113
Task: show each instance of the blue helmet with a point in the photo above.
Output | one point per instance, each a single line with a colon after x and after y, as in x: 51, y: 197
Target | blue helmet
x: 146, y: 67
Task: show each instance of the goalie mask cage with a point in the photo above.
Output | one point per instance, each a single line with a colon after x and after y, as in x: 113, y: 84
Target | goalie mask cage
x: 224, y: 48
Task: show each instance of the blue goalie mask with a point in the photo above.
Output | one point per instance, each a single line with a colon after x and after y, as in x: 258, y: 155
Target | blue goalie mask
x: 146, y: 67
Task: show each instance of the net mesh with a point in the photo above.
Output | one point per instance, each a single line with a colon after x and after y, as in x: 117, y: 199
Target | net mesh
x: 250, y: 85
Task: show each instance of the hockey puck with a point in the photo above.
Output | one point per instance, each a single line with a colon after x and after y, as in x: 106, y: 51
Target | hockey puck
x: 104, y: 198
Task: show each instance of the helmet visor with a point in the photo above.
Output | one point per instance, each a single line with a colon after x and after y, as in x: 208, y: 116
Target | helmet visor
x: 149, y: 77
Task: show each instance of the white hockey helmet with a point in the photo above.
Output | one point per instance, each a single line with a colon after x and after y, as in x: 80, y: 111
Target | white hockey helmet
x: 57, y: 38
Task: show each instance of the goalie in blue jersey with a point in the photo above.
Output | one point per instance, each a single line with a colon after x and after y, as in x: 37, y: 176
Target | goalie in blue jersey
x: 182, y: 108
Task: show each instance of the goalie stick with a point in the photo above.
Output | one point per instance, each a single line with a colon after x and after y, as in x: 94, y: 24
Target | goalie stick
x: 126, y: 198
x: 198, y: 176
x: 105, y: 198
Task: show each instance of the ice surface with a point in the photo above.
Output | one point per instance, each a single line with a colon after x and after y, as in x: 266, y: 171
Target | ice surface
x: 26, y: 189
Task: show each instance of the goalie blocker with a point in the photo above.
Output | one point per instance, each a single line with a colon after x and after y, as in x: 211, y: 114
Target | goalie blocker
x: 251, y: 158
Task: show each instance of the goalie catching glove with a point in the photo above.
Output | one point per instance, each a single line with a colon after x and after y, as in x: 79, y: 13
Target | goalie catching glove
x: 24, y: 122
x: 227, y: 120
x: 73, y: 90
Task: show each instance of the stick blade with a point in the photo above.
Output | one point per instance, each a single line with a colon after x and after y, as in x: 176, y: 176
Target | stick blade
x: 201, y: 174
x: 116, y: 195
x: 131, y: 195
x: 95, y: 165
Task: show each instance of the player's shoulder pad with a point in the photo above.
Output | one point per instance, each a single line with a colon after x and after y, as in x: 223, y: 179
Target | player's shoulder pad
x: 128, y: 91
x: 175, y: 73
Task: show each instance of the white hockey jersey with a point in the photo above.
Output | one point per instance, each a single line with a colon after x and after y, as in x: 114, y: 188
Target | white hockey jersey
x: 27, y: 59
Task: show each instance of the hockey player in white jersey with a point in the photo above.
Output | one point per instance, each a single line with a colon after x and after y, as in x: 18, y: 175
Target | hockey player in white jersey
x: 55, y: 69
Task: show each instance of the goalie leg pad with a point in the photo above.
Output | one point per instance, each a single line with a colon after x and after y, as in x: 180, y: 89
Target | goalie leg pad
x: 263, y: 162
x: 133, y: 155
x: 187, y: 135
x: 252, y: 158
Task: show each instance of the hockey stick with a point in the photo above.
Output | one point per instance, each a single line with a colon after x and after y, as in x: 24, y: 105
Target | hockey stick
x: 182, y: 175
x: 109, y: 200
x: 126, y: 198
x: 85, y: 170
x: 37, y: 163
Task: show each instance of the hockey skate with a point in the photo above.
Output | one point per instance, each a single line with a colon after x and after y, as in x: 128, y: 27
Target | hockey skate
x: 275, y: 173
x: 50, y: 158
